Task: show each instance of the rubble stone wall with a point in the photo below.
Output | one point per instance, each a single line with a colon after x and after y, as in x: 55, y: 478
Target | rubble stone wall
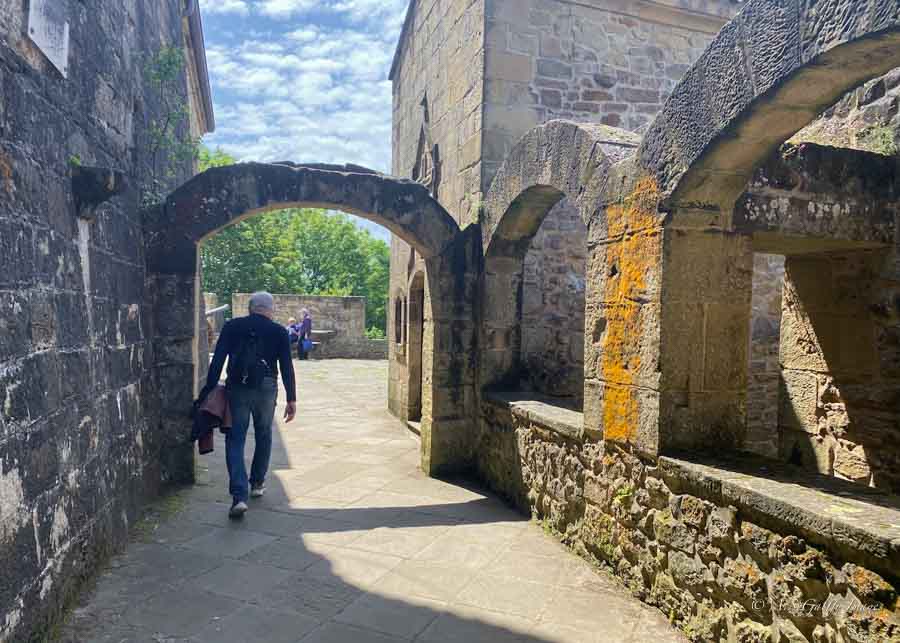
x: 80, y: 444
x: 552, y: 304
x: 722, y: 563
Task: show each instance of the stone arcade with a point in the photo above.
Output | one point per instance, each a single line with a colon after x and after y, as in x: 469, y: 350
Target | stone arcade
x: 572, y: 300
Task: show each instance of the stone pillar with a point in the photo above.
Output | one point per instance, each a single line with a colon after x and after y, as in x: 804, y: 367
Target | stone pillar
x: 622, y: 318
x: 416, y: 323
x: 178, y: 315
x: 449, y: 356
x: 667, y: 329
x: 704, y: 339
x: 176, y: 360
x: 501, y: 330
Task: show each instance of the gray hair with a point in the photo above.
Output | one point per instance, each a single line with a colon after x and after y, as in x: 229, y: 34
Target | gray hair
x: 261, y: 302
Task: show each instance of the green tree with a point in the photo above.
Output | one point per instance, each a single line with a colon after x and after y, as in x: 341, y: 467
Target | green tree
x: 207, y: 158
x: 299, y: 251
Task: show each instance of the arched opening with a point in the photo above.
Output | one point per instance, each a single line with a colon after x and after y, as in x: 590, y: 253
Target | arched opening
x: 415, y: 334
x: 714, y: 164
x: 223, y: 196
x: 504, y: 285
x: 536, y: 249
x: 535, y: 298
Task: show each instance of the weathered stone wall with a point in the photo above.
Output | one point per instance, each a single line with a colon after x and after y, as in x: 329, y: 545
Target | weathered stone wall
x: 437, y: 109
x: 344, y: 315
x: 602, y: 61
x: 490, y: 70
x: 718, y: 556
x: 840, y: 398
x: 867, y: 118
x: 552, y: 302
x: 358, y: 348
x: 764, y: 369
x: 438, y: 95
x: 79, y: 427
x: 344, y: 319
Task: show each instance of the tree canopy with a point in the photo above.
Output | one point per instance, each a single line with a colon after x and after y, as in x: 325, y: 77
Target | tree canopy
x: 297, y: 251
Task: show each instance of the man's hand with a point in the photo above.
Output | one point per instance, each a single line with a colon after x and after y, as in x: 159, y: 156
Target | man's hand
x: 290, y: 410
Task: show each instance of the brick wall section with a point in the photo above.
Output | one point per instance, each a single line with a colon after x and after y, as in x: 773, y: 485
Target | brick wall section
x: 79, y: 439
x: 599, y: 61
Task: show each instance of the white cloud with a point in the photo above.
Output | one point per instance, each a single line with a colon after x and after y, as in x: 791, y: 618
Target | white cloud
x: 308, y: 92
x: 285, y: 8
x: 238, y: 7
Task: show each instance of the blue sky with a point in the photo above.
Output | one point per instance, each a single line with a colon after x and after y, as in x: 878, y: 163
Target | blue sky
x: 303, y: 80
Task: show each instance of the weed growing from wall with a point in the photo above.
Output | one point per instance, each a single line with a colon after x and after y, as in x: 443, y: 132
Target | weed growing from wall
x: 169, y: 147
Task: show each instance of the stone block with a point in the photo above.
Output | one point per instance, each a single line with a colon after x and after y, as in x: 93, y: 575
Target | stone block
x: 680, y: 364
x: 550, y: 68
x: 673, y: 533
x: 803, y: 346
x: 727, y: 330
x: 510, y: 66
x: 708, y: 266
x: 698, y: 420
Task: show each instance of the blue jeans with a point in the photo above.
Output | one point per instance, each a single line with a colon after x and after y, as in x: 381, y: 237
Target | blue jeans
x: 258, y: 403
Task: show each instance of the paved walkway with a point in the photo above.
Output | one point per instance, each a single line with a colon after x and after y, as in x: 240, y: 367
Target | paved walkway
x: 352, y: 544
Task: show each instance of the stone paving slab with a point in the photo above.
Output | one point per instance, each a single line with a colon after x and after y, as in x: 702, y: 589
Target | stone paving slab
x: 352, y: 544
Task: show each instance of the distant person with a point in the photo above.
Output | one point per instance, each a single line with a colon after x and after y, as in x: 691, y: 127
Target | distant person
x: 304, y: 344
x: 293, y: 329
x: 255, y: 347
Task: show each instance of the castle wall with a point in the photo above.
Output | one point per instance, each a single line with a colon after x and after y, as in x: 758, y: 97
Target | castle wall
x: 603, y: 61
x: 80, y: 444
x: 439, y: 75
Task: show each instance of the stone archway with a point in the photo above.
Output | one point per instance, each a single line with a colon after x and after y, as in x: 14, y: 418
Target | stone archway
x: 222, y: 196
x: 556, y: 171
x: 675, y: 271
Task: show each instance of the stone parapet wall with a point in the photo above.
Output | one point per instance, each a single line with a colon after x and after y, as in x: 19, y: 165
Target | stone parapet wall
x: 346, y: 316
x: 724, y: 557
x: 369, y: 349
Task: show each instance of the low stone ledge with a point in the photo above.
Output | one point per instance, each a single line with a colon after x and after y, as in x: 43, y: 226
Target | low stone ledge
x: 546, y: 412
x: 856, y: 523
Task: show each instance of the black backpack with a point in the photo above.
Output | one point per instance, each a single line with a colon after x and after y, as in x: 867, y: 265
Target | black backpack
x: 248, y: 368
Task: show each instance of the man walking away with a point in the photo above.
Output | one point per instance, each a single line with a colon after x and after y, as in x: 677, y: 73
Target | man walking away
x: 255, y: 347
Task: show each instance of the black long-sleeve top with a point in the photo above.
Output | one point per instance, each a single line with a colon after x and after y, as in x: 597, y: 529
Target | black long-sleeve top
x: 275, y: 346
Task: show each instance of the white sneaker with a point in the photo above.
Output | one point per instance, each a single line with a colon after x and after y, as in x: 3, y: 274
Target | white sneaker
x: 257, y: 491
x: 238, y: 510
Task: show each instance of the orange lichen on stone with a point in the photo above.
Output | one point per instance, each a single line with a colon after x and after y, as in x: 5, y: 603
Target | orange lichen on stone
x: 632, y: 260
